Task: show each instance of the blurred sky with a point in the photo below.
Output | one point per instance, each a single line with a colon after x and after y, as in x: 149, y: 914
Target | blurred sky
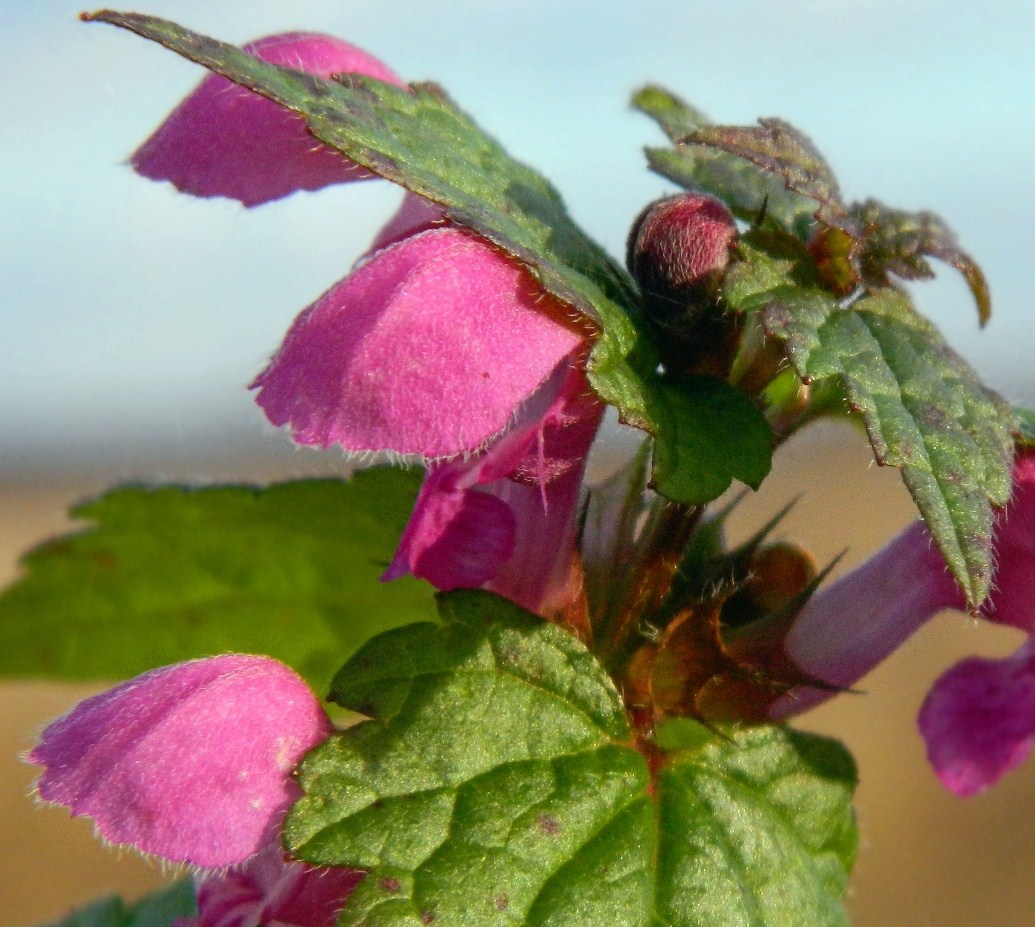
x: 135, y: 315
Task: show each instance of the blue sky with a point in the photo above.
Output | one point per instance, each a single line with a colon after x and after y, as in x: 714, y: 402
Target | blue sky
x: 133, y: 314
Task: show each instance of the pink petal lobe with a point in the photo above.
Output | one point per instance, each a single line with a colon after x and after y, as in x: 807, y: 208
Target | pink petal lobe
x: 522, y: 533
x: 428, y: 348
x: 190, y: 762
x: 979, y: 720
x: 456, y: 538
x: 225, y: 140
x: 271, y: 891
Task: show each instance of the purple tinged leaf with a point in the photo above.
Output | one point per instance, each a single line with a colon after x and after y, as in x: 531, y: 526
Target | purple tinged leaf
x: 780, y: 149
x: 897, y: 242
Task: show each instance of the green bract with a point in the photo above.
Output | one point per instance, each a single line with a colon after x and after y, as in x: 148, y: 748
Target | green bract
x: 497, y: 782
x: 170, y: 574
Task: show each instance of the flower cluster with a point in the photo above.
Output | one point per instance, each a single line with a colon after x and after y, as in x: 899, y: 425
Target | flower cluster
x: 440, y: 348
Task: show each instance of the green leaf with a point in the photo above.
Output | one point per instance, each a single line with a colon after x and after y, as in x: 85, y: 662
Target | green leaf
x: 924, y: 408
x: 676, y: 117
x: 419, y: 139
x: 720, y: 435
x: 496, y: 783
x: 168, y: 574
x: 766, y: 261
x: 756, y: 829
x: 780, y: 150
x: 738, y: 183
x: 158, y: 909
x: 1025, y: 430
x: 895, y: 241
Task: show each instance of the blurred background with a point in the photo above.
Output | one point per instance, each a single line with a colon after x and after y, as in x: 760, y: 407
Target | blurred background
x: 133, y: 317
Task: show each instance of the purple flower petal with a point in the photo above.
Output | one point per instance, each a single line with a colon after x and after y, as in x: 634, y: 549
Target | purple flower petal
x: 515, y: 535
x: 190, y: 762
x: 225, y: 140
x: 853, y: 625
x: 429, y: 348
x: 1012, y: 600
x: 269, y: 891
x: 979, y: 720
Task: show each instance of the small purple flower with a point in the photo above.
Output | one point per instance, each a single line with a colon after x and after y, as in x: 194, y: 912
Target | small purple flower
x: 190, y: 762
x: 979, y: 719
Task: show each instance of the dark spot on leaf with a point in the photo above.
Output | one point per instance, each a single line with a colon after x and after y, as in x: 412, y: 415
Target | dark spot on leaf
x: 427, y: 918
x: 390, y: 885
x: 502, y: 902
x: 548, y: 825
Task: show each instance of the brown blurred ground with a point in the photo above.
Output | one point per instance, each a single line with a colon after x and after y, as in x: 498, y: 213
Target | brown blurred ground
x: 926, y: 858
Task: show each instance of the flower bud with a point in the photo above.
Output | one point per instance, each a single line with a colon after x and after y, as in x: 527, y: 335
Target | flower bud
x: 678, y: 250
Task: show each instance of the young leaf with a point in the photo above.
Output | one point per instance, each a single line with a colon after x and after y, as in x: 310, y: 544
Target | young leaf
x: 496, y: 783
x: 170, y: 574
x: 159, y: 909
x: 895, y: 241
x: 419, y: 139
x: 782, y: 151
x: 676, y: 117
x: 719, y: 435
x: 766, y: 261
x: 924, y: 408
x: 1025, y: 430
x: 738, y: 183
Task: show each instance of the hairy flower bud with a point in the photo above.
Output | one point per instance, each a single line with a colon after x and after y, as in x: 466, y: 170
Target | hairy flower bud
x: 678, y: 249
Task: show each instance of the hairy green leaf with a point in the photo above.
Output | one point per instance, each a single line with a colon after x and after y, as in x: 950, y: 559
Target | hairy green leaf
x: 419, y: 139
x: 496, y: 783
x: 159, y: 909
x: 924, y: 408
x: 1025, y: 430
x: 895, y: 241
x: 168, y: 574
x: 737, y: 182
x: 720, y: 435
x: 766, y: 261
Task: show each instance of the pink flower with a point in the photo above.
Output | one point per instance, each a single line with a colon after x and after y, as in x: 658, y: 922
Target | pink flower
x: 979, y: 718
x: 225, y: 140
x: 190, y: 762
x: 272, y: 892
x: 429, y: 348
x: 437, y: 346
x: 516, y: 534
x: 442, y: 347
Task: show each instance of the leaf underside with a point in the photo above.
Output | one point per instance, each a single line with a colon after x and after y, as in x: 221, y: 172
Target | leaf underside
x: 168, y: 574
x: 420, y: 140
x: 924, y: 408
x: 495, y: 784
